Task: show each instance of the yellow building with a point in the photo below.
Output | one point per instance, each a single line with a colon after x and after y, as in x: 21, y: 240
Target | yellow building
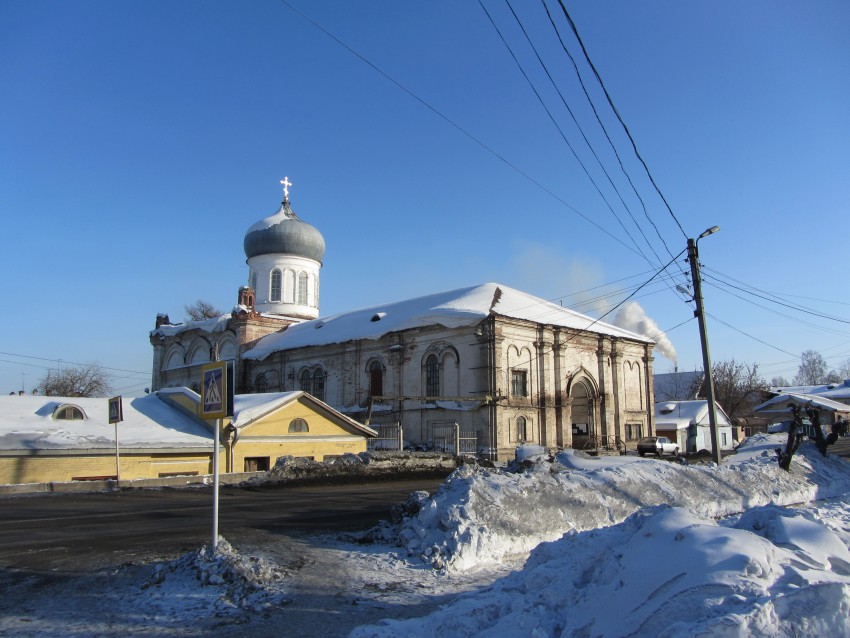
x: 50, y: 439
x: 270, y: 425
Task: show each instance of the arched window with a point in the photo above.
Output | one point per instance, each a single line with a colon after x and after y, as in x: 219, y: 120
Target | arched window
x: 305, y: 378
x: 274, y: 292
x: 521, y: 431
x: 376, y: 379
x: 260, y: 384
x: 289, y: 289
x: 298, y: 425
x: 302, y: 288
x: 432, y: 376
x: 70, y: 413
x: 253, y: 280
x: 319, y: 384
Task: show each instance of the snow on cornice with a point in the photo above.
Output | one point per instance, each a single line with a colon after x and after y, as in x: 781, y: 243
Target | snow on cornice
x: 216, y: 324
x: 452, y: 309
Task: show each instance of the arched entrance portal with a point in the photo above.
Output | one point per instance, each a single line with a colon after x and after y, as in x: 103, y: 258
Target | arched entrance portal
x: 583, y: 415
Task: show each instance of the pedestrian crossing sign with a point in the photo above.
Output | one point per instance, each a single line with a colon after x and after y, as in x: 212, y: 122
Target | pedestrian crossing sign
x: 216, y: 391
x: 116, y: 412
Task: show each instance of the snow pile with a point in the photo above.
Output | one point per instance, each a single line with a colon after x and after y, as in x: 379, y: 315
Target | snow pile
x: 242, y: 583
x: 663, y: 572
x: 365, y: 465
x: 481, y: 516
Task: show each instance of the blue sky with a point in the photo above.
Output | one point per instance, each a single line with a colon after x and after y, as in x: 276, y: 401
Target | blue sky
x: 139, y: 141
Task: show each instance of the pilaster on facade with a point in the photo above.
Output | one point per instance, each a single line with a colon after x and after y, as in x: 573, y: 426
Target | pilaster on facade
x: 617, y: 385
x: 567, y: 422
x: 649, y: 360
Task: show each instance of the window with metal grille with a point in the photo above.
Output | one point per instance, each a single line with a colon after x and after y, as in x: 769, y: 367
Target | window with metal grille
x: 319, y: 384
x: 305, y: 378
x: 634, y: 431
x: 521, y: 429
x: 519, y: 383
x: 432, y: 376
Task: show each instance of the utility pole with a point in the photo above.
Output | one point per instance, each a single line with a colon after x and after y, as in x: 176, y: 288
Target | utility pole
x: 699, y: 313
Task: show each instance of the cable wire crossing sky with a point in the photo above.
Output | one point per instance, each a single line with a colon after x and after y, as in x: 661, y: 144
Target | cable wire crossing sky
x: 566, y: 149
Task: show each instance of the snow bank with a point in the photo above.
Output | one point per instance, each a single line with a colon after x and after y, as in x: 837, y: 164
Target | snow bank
x: 663, y: 572
x: 241, y: 584
x: 481, y: 516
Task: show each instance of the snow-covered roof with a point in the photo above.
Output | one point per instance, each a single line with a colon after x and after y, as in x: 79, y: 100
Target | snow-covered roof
x: 830, y: 390
x: 247, y: 408
x: 779, y: 404
x: 452, y: 309
x: 27, y: 423
x: 683, y: 413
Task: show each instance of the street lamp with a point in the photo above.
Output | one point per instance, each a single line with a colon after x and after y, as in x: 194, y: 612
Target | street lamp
x: 699, y: 313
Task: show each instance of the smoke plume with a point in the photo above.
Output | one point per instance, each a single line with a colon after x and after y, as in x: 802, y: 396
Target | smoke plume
x: 631, y: 316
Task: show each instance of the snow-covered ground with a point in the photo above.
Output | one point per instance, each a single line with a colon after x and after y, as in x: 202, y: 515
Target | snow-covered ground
x: 613, y: 546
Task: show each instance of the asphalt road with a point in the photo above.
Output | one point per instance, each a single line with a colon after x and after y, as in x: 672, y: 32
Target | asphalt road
x: 78, y: 532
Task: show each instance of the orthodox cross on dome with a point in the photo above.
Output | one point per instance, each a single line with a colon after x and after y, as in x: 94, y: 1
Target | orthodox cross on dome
x: 286, y: 184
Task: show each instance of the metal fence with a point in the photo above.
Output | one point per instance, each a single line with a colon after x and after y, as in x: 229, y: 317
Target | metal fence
x: 390, y: 438
x: 448, y: 438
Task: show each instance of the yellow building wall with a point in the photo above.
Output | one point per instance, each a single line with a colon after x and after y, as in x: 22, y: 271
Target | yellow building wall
x: 269, y: 437
x: 44, y: 468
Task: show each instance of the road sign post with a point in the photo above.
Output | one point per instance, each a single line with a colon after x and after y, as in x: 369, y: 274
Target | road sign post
x: 216, y: 403
x: 116, y: 415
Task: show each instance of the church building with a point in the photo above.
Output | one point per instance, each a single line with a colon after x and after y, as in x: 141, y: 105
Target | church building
x: 497, y: 365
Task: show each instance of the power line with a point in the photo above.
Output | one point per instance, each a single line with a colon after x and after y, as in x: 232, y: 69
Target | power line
x: 603, y: 127
x: 575, y: 121
x: 779, y: 314
x: 771, y: 296
x: 747, y: 334
x: 458, y: 127
x: 26, y: 356
x: 617, y: 113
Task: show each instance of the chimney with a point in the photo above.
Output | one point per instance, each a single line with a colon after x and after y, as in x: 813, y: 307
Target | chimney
x: 246, y: 297
x: 162, y: 320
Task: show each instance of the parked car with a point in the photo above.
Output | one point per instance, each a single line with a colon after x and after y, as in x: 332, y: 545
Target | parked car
x: 657, y: 445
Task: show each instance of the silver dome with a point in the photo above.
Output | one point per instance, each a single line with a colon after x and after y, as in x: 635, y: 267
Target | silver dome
x: 284, y: 233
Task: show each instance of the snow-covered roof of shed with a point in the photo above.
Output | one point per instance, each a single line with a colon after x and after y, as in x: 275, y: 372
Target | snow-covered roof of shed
x: 452, y: 309
x: 780, y: 403
x: 687, y: 411
x: 833, y: 391
x: 27, y: 423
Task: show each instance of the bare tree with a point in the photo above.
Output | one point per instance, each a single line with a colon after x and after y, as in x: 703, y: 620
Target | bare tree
x: 779, y: 382
x: 812, y: 370
x: 844, y: 369
x: 201, y: 310
x: 738, y: 387
x: 87, y: 380
x: 833, y: 377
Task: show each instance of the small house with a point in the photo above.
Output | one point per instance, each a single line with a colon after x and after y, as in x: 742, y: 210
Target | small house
x: 687, y: 423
